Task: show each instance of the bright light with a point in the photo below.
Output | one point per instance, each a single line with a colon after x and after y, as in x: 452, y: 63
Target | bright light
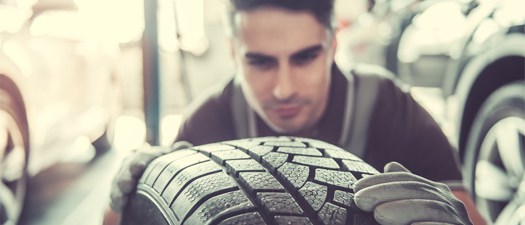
x: 82, y: 151
x: 350, y: 10
x: 447, y: 28
x: 485, y: 30
x: 25, y: 3
x: 190, y: 15
x: 101, y: 21
x: 130, y: 133
x: 12, y: 19
x: 169, y: 128
x: 511, y: 13
x: 365, y: 20
x: 166, y: 22
x: 19, y: 56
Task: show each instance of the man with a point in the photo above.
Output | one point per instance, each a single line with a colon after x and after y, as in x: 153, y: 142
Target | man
x: 288, y: 84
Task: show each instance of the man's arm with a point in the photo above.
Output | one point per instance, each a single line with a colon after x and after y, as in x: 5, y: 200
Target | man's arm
x: 111, y: 217
x: 400, y: 197
x: 473, y: 212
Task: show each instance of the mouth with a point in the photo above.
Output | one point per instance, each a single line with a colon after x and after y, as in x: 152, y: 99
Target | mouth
x: 288, y: 111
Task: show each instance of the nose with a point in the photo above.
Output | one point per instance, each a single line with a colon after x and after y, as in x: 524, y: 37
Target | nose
x: 284, y: 88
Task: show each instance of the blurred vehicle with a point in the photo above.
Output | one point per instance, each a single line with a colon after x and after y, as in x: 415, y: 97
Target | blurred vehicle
x: 370, y: 30
x: 474, y: 51
x: 434, y: 36
x: 59, y: 91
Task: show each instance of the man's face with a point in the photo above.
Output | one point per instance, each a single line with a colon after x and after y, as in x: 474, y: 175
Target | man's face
x: 285, y: 58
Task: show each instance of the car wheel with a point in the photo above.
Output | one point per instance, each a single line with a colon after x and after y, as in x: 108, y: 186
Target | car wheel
x: 280, y: 180
x: 494, y: 166
x: 14, y: 148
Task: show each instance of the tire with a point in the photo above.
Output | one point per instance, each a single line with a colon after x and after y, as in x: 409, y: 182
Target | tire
x: 14, y: 152
x: 271, y: 180
x: 494, y: 157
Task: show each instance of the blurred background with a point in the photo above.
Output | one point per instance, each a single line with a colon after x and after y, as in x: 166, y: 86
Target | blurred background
x: 83, y: 82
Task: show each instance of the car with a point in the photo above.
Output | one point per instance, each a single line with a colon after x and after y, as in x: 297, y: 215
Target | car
x: 59, y: 89
x: 370, y: 31
x: 474, y: 53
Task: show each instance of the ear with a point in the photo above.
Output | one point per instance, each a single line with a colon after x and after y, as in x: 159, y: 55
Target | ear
x: 229, y: 42
x: 334, y: 46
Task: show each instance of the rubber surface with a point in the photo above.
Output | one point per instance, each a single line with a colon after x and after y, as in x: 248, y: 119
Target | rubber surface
x: 12, y: 102
x: 271, y: 180
x: 507, y: 101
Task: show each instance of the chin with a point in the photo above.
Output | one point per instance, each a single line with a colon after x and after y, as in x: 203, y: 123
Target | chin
x: 286, y: 129
x: 282, y: 126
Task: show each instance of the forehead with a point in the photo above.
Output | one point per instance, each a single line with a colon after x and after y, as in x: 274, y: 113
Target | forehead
x: 275, y: 31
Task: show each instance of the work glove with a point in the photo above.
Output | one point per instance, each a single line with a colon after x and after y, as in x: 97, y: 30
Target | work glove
x: 132, y: 168
x: 400, y: 197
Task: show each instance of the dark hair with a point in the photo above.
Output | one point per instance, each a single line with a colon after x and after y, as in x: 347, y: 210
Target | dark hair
x: 323, y: 10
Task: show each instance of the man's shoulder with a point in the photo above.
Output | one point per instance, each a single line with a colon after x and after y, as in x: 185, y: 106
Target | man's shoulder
x: 216, y: 97
x: 208, y: 118
x: 384, y: 77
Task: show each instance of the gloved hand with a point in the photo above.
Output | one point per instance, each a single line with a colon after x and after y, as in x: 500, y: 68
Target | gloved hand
x: 132, y: 168
x: 400, y: 197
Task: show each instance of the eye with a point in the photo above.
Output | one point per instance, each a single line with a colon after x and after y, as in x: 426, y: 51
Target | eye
x: 303, y: 59
x: 263, y: 63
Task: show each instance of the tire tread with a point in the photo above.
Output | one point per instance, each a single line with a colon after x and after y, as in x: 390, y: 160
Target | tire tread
x: 279, y: 180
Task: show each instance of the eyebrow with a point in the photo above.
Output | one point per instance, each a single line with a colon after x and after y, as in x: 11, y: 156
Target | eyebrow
x: 252, y: 55
x: 308, y: 50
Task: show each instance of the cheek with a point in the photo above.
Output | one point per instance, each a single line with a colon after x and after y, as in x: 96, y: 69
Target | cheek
x: 313, y: 78
x: 260, y: 82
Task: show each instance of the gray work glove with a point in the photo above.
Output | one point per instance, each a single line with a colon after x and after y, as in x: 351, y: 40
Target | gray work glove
x: 400, y: 197
x: 132, y: 168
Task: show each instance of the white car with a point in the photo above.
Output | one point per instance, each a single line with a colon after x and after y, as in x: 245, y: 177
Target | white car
x: 474, y: 51
x: 59, y: 91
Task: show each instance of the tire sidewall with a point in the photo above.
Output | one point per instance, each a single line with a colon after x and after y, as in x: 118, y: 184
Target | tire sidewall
x: 13, y: 103
x: 503, y: 103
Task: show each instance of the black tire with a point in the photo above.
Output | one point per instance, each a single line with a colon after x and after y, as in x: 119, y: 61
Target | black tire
x: 14, y: 151
x: 504, y: 110
x: 271, y: 180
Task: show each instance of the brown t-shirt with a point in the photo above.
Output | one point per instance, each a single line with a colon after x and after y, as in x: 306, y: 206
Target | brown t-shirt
x: 399, y: 128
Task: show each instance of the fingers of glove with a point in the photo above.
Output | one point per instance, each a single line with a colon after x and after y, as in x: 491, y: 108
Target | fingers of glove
x: 141, y: 159
x: 387, y: 178
x: 395, y: 167
x: 431, y: 223
x: 369, y: 198
x: 118, y: 200
x: 415, y: 210
x: 126, y: 182
x: 181, y: 145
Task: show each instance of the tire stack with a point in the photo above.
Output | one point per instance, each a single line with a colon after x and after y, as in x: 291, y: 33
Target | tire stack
x: 270, y: 180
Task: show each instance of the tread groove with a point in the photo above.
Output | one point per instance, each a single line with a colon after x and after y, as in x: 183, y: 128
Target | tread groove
x: 176, y: 171
x: 204, y: 199
x: 235, y: 176
x: 187, y: 184
x: 273, y: 171
x: 226, y: 216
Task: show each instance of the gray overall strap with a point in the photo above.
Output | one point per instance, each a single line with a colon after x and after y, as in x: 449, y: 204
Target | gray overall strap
x: 361, y: 99
x: 243, y: 115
